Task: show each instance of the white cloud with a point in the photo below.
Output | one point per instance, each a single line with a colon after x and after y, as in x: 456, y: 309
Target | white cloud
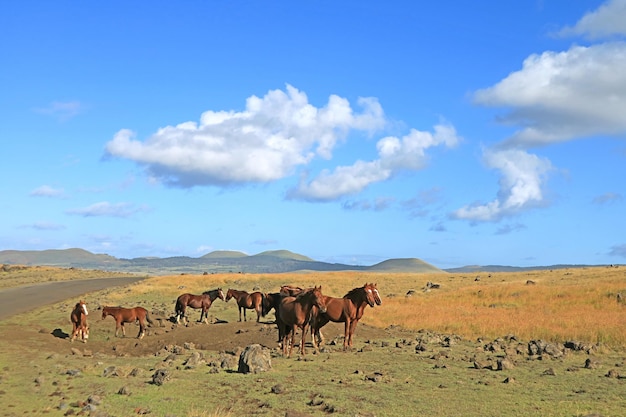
x: 609, y: 19
x: 63, y: 110
x: 47, y: 191
x: 106, y: 209
x: 395, y: 154
x: 521, y: 180
x: 559, y: 96
x: 555, y: 97
x: 267, y: 141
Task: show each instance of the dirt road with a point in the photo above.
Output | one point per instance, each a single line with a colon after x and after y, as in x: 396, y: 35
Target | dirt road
x: 22, y: 299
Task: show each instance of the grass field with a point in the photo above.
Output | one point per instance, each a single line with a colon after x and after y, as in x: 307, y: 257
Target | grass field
x: 418, y: 354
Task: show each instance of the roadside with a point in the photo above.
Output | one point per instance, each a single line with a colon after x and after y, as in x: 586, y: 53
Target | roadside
x: 21, y: 299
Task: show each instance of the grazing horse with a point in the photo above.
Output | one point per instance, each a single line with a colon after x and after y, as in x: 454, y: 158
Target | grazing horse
x: 203, y: 301
x: 128, y: 315
x: 347, y: 310
x: 78, y: 317
x: 295, y: 312
x: 247, y: 301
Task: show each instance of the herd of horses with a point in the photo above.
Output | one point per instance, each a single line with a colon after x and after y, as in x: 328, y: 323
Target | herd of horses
x: 294, y: 308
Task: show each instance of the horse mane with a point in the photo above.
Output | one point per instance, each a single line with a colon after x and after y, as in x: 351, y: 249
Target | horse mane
x: 353, y: 292
x: 209, y: 292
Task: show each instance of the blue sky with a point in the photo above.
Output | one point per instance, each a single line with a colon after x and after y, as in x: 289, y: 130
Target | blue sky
x: 459, y: 133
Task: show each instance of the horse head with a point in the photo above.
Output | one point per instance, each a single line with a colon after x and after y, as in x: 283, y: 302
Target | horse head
x: 318, y: 298
x: 370, y: 296
x: 220, y: 294
x: 377, y: 298
x: 83, y: 307
x: 229, y: 295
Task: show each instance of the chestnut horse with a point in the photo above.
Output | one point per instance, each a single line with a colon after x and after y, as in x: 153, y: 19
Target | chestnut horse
x: 247, y: 301
x: 128, y: 315
x: 347, y: 310
x: 295, y: 312
x: 203, y: 301
x: 78, y: 317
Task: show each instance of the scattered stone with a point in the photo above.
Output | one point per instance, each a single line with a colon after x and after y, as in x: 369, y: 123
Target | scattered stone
x: 504, y: 364
x: 278, y: 389
x: 591, y: 364
x: 549, y: 372
x: 123, y: 391
x: 194, y: 360
x: 509, y: 380
x: 110, y: 371
x: 160, y: 376
x: 612, y: 374
x: 254, y: 359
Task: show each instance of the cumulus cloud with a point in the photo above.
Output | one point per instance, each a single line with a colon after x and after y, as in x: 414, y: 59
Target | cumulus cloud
x: 407, y: 153
x: 522, y: 175
x: 106, y: 209
x: 47, y: 191
x: 266, y: 142
x: 559, y: 96
x: 555, y: 97
x: 609, y: 19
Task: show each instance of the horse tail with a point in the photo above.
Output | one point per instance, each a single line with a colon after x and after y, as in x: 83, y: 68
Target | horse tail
x: 179, y: 306
x: 148, y: 319
x: 264, y: 307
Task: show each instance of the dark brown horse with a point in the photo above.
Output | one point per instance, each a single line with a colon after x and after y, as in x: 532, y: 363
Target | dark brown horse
x: 202, y: 301
x: 347, y: 310
x: 128, y: 315
x: 272, y: 301
x: 294, y: 312
x: 247, y: 301
x: 78, y: 317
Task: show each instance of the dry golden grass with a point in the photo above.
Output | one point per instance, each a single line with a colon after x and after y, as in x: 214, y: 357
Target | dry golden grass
x: 560, y: 305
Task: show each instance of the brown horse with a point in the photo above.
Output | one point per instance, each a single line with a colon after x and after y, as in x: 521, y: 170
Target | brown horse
x: 78, y: 317
x: 128, y: 315
x: 272, y: 301
x: 247, y: 301
x: 347, y: 310
x: 295, y: 312
x: 290, y: 290
x: 203, y: 301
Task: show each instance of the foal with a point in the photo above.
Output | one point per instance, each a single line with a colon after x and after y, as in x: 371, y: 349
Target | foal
x: 128, y: 315
x: 78, y: 317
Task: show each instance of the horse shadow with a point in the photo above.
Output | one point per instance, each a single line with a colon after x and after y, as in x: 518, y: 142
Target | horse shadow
x: 60, y: 334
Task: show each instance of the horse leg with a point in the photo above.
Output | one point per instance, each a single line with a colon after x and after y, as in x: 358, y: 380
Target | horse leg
x: 244, y: 314
x: 304, y: 330
x: 142, y: 329
x: 352, y: 329
x: 346, y: 334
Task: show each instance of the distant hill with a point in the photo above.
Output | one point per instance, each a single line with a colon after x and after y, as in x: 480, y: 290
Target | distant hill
x: 275, y: 261
x: 503, y: 268
x: 224, y: 254
x: 403, y: 265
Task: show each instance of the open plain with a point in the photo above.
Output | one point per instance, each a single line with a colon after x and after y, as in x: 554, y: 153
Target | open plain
x: 538, y: 343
